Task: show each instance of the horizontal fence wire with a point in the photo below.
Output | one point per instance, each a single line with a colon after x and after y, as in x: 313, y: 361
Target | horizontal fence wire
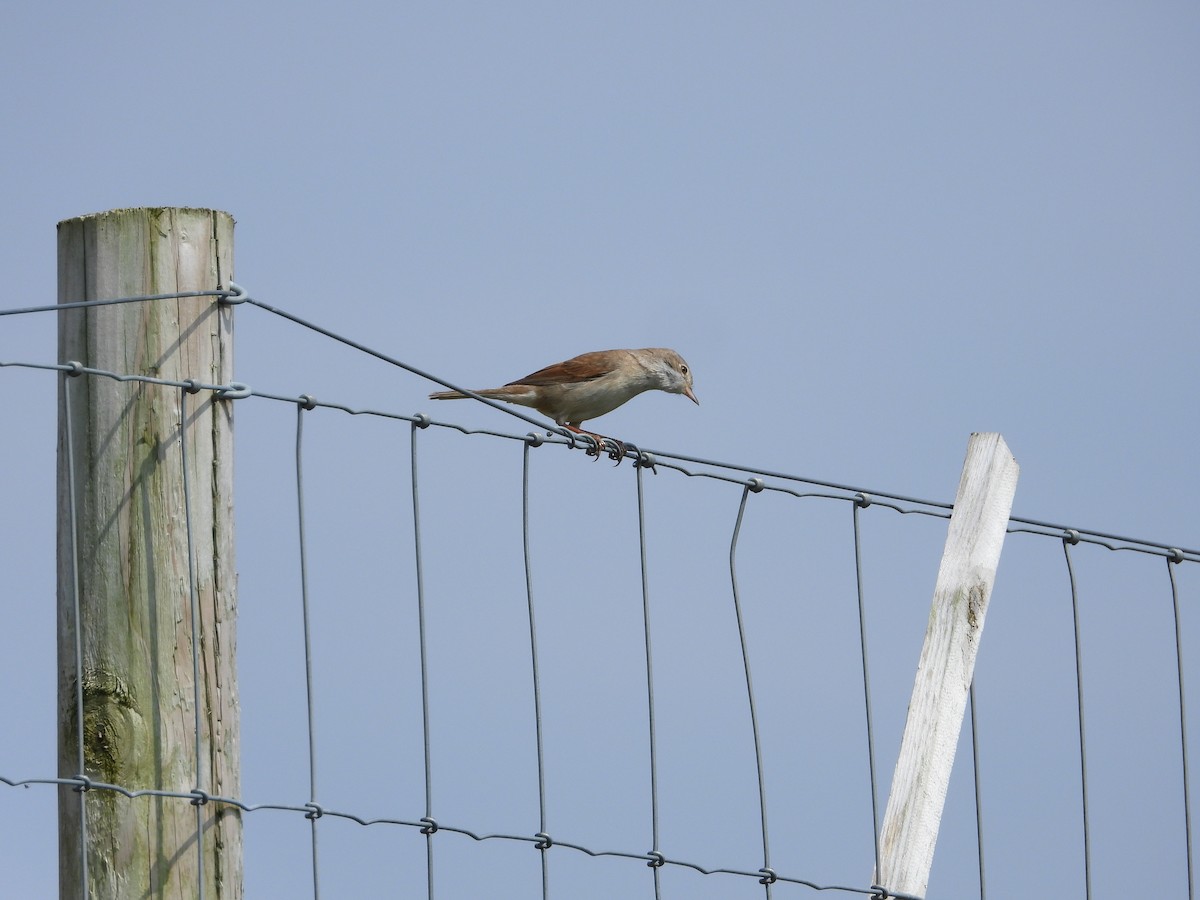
x: 236, y: 294
x: 758, y: 481
x: 312, y: 811
x: 655, y: 459
x: 859, y: 499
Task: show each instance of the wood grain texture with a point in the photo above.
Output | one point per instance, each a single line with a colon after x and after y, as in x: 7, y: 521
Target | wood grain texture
x: 132, y: 549
x: 974, y: 540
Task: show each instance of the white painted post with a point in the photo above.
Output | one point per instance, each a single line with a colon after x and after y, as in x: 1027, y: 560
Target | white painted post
x: 935, y: 713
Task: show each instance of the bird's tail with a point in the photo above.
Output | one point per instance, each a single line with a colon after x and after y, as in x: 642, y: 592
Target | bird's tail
x: 504, y: 393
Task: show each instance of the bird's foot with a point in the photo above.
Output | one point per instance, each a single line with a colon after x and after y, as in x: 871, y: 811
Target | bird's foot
x: 595, y: 444
x: 599, y: 443
x: 616, y: 450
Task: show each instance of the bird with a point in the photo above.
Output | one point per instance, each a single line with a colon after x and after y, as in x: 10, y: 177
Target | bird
x: 592, y: 384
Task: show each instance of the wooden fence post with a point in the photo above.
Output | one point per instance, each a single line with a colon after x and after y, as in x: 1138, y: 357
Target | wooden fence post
x: 935, y: 712
x: 131, y: 543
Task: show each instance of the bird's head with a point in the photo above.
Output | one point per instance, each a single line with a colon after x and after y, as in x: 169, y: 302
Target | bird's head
x: 673, y: 373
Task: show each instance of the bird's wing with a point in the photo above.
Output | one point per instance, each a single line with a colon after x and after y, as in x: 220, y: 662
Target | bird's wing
x: 587, y: 367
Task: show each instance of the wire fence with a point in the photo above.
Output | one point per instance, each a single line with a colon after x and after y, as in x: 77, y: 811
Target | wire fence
x: 795, y: 870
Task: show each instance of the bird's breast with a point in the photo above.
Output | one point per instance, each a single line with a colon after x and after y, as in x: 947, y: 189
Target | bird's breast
x: 590, y: 399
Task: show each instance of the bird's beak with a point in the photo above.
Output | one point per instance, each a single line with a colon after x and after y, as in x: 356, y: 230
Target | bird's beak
x: 687, y: 392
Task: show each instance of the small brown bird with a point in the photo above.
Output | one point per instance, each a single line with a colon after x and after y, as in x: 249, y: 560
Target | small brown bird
x: 591, y: 385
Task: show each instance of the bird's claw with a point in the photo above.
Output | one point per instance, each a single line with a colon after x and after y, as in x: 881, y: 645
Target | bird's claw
x: 611, y: 447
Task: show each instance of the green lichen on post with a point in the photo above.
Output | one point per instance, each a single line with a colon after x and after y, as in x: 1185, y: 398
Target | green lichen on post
x: 109, y: 726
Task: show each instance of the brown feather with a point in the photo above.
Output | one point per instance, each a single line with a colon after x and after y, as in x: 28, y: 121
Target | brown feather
x: 587, y: 367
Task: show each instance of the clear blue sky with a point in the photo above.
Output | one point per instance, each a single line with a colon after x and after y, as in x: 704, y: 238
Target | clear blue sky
x: 871, y: 229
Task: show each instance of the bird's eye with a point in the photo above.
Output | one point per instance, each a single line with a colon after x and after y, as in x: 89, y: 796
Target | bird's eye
x: 683, y: 369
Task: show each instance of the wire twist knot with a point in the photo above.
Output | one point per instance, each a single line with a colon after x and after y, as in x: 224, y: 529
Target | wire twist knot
x: 237, y: 294
x: 235, y: 391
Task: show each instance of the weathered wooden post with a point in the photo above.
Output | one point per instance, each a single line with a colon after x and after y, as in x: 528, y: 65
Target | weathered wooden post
x: 131, y: 543
x: 935, y: 713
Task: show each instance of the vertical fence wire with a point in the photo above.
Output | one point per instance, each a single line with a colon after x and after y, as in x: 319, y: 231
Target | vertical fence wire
x: 194, y: 602
x: 862, y: 502
x: 768, y: 874
x: 430, y: 823
x: 72, y: 476
x: 1172, y: 561
x: 978, y: 795
x: 543, y: 837
x: 75, y: 591
x: 656, y: 862
x: 315, y: 813
x: 1068, y: 540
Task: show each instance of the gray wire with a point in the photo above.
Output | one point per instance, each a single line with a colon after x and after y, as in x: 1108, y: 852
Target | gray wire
x: 1087, y: 844
x: 655, y: 851
x: 862, y: 636
x: 978, y: 801
x: 400, y: 364
x: 768, y: 873
x: 194, y: 597
x: 1187, y: 794
x: 68, y: 415
x: 431, y: 825
x: 236, y: 390
x: 84, y: 783
x: 83, y: 304
x: 1172, y: 553
x: 312, y: 809
x: 508, y: 410
x: 236, y: 294
x: 315, y: 809
x: 537, y: 690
